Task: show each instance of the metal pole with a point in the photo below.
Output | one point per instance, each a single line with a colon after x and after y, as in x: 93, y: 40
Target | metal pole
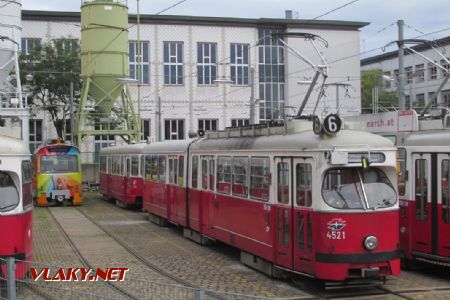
x: 252, y: 96
x: 138, y: 126
x: 11, y: 283
x: 401, y: 67
x: 337, y: 99
x: 71, y: 113
x: 158, y: 119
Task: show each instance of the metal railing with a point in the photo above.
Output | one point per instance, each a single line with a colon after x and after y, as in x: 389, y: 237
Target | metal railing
x: 18, y: 281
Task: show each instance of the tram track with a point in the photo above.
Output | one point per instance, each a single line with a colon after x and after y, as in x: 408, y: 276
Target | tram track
x: 85, y: 262
x: 145, y: 261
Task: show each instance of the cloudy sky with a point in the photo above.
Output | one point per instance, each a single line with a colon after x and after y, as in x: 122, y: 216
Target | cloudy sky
x: 423, y: 19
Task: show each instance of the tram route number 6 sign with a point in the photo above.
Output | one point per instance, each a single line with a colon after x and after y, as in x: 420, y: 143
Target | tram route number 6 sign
x: 331, y: 125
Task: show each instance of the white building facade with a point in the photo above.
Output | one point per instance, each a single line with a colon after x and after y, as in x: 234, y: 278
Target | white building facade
x: 186, y: 59
x: 422, y: 77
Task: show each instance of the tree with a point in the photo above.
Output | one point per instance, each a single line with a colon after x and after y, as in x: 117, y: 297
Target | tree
x: 369, y: 80
x: 53, y: 66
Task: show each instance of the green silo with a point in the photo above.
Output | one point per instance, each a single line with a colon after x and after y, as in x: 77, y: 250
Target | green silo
x: 104, y: 49
x: 104, y: 65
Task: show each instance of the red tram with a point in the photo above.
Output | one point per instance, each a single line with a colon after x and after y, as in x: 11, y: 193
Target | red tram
x: 121, y: 175
x: 16, y: 204
x: 292, y: 201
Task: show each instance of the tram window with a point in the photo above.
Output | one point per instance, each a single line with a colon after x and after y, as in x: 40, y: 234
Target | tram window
x: 109, y: 167
x: 122, y: 165
x: 259, y: 178
x: 181, y: 171
x: 421, y: 181
x: 151, y: 167
x: 224, y: 174
x: 240, y: 170
x: 26, y: 184
x: 134, y: 165
x: 401, y: 171
x: 204, y: 174
x: 142, y: 166
x: 445, y: 187
x: 357, y: 188
x: 211, y: 175
x: 304, y: 186
x: 10, y: 195
x: 162, y: 168
x: 283, y: 182
x: 59, y: 164
x: 103, y: 164
x: 173, y: 170
x: 194, y: 171
x: 300, y: 231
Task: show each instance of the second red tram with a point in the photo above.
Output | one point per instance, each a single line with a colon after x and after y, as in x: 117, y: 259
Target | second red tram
x: 121, y: 175
x: 295, y: 202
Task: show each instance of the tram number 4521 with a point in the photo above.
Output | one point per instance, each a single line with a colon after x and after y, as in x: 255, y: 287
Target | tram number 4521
x: 336, y: 235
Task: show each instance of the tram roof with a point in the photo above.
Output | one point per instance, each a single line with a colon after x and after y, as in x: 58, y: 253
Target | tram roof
x: 13, y: 146
x: 168, y: 146
x: 305, y: 140
x: 427, y: 138
x: 124, y: 149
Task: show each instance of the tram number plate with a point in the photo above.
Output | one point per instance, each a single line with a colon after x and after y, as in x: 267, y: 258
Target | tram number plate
x: 336, y: 235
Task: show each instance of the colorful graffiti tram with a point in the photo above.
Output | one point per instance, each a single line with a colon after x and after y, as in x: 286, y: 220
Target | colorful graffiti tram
x: 57, y: 175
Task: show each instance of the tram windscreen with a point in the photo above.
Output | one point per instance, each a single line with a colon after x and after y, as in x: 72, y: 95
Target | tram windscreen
x: 59, y: 164
x: 8, y: 190
x: 358, y: 188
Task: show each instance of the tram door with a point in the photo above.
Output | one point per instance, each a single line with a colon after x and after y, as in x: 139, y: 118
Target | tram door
x: 303, y: 181
x: 422, y: 217
x: 443, y: 205
x: 284, y: 212
x: 127, y: 179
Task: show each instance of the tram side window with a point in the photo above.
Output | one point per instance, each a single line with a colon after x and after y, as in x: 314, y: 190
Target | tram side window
x: 194, y: 171
x: 304, y: 185
x: 211, y: 175
x: 224, y: 174
x: 401, y: 171
x: 151, y: 167
x: 162, y: 168
x: 173, y: 170
x: 103, y: 164
x: 142, y: 165
x: 445, y: 187
x: 109, y: 167
x: 134, y: 165
x: 240, y: 170
x: 114, y: 165
x: 10, y: 195
x: 204, y: 174
x: 283, y: 182
x: 122, y: 162
x: 259, y: 178
x: 26, y: 184
x: 181, y: 171
x: 421, y: 181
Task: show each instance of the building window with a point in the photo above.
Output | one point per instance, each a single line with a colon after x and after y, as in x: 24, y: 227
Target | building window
x: 102, y: 141
x: 29, y: 44
x: 445, y: 98
x: 445, y: 65
x: 173, y: 63
x: 240, y: 122
x: 134, y: 61
x: 420, y: 73
x: 409, y: 74
x: 239, y: 68
x: 396, y: 76
x: 387, y: 83
x: 66, y: 45
x: 206, y: 63
x: 430, y: 96
x: 174, y: 129
x: 420, y: 100
x: 145, y: 129
x: 35, y: 134
x: 68, y: 131
x: 432, y: 72
x: 207, y: 124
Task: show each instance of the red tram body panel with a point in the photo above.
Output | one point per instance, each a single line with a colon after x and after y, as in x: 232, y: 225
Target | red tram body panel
x: 16, y: 204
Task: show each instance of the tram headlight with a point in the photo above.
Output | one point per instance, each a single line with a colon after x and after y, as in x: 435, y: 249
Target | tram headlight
x: 370, y: 242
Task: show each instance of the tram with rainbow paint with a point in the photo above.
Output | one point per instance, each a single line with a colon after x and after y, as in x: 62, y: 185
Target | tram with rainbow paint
x: 57, y: 175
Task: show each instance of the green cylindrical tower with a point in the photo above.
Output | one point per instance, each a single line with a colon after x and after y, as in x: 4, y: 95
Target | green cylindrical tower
x: 104, y: 49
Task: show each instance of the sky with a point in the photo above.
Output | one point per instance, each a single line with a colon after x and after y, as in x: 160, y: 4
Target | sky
x: 423, y: 19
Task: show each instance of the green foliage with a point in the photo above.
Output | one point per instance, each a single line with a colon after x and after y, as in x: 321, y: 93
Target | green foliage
x: 369, y: 80
x: 53, y: 67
